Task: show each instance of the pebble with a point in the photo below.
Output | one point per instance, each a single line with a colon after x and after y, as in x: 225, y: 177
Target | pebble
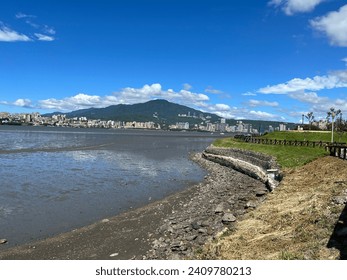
x: 202, y: 230
x: 228, y: 218
x: 214, y: 204
x: 195, y: 225
x: 3, y: 241
x: 191, y: 237
x: 251, y: 204
x: 261, y: 192
x: 114, y: 255
x: 220, y: 209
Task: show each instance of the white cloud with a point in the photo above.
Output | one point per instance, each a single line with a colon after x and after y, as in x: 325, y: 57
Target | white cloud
x: 43, y: 33
x: 49, y: 30
x: 42, y: 37
x: 259, y: 103
x: 262, y: 115
x: 22, y: 15
x: 249, y: 94
x: 22, y: 103
x: 8, y: 35
x: 308, y: 97
x: 222, y: 107
x: 79, y: 101
x: 187, y: 86
x: 147, y: 92
x: 32, y: 24
x: 319, y: 104
x: 291, y: 7
x: 26, y: 103
x: 334, y: 26
x: 213, y: 91
x: 337, y: 79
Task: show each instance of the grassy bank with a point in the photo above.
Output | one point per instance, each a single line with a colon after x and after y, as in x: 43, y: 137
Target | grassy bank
x: 324, y: 136
x: 299, y: 219
x: 286, y: 156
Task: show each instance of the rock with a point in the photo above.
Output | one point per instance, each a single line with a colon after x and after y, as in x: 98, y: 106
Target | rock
x: 114, y: 255
x: 251, y: 204
x: 205, y: 224
x: 191, y: 237
x: 195, y: 225
x: 170, y: 229
x: 228, y: 218
x: 176, y: 246
x: 3, y: 241
x: 202, y: 230
x: 261, y: 193
x: 340, y: 200
x: 158, y: 244
x: 342, y: 232
x: 199, y: 218
x: 221, y: 208
x: 183, y: 248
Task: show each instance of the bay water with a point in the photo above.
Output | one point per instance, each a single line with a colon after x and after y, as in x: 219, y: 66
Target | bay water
x: 53, y: 180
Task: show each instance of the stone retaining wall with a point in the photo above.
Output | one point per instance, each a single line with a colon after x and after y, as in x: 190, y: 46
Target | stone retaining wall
x: 256, y: 165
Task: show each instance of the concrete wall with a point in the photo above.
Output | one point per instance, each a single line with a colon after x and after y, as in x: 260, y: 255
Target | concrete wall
x: 256, y: 165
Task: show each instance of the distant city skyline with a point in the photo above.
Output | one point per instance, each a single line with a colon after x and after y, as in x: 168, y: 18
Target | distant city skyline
x: 268, y: 60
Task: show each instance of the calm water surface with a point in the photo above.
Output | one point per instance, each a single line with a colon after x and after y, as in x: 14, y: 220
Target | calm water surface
x: 53, y: 180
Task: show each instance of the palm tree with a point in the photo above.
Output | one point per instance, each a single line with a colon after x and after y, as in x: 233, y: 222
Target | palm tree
x: 310, y: 118
x: 333, y: 114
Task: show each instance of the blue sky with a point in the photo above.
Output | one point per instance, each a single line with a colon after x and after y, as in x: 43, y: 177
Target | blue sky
x: 271, y: 59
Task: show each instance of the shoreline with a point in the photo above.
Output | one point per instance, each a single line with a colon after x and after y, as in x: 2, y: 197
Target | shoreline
x: 172, y: 228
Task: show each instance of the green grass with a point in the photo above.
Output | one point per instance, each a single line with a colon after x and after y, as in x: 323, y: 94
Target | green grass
x: 286, y: 156
x: 324, y: 136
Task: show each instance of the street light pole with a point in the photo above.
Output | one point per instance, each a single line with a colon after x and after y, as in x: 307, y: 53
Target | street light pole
x: 332, y: 126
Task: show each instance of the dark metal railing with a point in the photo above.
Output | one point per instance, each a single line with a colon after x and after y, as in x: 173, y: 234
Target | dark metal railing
x: 339, y: 151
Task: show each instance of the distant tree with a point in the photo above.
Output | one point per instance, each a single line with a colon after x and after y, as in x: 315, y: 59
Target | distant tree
x: 332, y: 114
x: 310, y: 118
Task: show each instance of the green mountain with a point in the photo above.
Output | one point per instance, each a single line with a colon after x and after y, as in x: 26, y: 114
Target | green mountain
x: 159, y: 110
x: 163, y: 112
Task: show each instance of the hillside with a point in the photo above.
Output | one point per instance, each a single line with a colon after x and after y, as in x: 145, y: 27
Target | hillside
x: 159, y: 110
x: 163, y: 112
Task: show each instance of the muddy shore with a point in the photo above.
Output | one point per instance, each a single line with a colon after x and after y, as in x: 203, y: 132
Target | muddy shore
x: 173, y: 228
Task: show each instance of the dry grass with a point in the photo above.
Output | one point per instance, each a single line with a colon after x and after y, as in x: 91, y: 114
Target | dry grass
x: 295, y: 222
